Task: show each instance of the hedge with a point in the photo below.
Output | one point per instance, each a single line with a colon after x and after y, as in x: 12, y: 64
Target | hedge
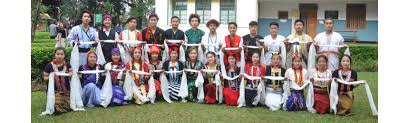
x: 42, y: 35
x: 43, y: 41
x: 42, y: 44
x: 364, y: 58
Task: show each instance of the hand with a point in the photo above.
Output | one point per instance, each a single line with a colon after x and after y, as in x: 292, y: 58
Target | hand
x: 244, y: 46
x: 70, y: 74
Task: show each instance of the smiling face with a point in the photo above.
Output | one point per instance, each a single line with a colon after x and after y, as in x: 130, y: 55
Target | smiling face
x: 322, y: 63
x: 173, y: 55
x: 153, y: 21
x: 276, y: 60
x: 107, y: 22
x: 116, y: 57
x: 232, y: 29
x: 154, y: 56
x: 231, y: 60
x: 92, y: 59
x: 345, y: 62
x: 59, y: 55
x: 210, y: 58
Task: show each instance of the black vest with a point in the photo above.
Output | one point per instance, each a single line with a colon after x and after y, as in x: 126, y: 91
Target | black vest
x: 107, y: 47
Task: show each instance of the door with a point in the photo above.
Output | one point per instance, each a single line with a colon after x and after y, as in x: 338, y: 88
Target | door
x: 308, y: 13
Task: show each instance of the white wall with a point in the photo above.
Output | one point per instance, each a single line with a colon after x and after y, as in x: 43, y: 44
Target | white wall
x: 247, y: 10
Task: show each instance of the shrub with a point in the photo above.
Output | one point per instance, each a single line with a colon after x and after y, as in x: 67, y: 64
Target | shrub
x: 42, y: 35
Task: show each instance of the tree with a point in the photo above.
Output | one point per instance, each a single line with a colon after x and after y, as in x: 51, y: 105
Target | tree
x: 141, y: 9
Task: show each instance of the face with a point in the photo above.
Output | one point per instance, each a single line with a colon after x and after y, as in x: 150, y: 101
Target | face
x: 116, y: 57
x: 60, y: 25
x: 253, y: 29
x: 193, y: 54
x: 92, y: 58
x: 132, y: 24
x: 255, y: 58
x: 276, y: 60
x: 273, y: 29
x: 231, y: 60
x: 212, y: 27
x: 194, y: 22
x: 232, y: 29
x: 153, y: 21
x: 173, y: 56
x: 299, y: 27
x: 297, y: 62
x: 59, y: 55
x: 322, y: 63
x: 137, y: 54
x: 210, y: 58
x: 86, y: 18
x: 175, y: 23
x: 345, y: 62
x: 154, y: 56
x: 329, y: 25
x: 107, y: 22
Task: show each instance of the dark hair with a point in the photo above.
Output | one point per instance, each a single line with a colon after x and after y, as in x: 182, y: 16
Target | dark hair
x: 349, y: 57
x: 174, y: 17
x: 194, y: 16
x: 153, y: 15
x: 274, y: 23
x: 321, y: 56
x: 272, y: 56
x: 253, y: 23
x: 212, y: 53
x: 299, y: 20
x: 191, y: 49
x: 212, y: 21
x: 130, y: 19
x: 230, y: 23
x: 256, y: 52
x: 329, y: 18
x: 59, y: 48
x: 86, y: 11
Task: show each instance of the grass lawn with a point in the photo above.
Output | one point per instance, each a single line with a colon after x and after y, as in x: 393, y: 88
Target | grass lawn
x: 191, y: 112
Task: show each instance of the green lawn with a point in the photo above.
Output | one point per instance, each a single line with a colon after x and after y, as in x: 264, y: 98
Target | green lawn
x: 190, y: 112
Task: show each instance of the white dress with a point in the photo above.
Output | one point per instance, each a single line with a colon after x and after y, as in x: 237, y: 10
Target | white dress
x: 274, y: 45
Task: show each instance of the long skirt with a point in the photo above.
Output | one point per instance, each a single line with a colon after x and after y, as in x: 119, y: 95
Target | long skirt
x: 174, y: 88
x: 344, y: 104
x: 91, y: 95
x: 118, y: 95
x: 192, y: 91
x: 321, y: 101
x: 62, y: 102
x: 273, y: 99
x: 296, y: 101
x: 249, y: 95
x: 231, y: 96
x: 210, y: 91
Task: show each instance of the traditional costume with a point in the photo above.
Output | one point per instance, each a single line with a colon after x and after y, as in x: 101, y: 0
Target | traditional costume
x: 274, y: 88
x: 191, y: 79
x: 251, y: 88
x: 210, y: 81
x: 346, y: 97
x: 118, y: 93
x: 140, y: 80
x: 275, y: 45
x: 78, y: 34
x: 91, y: 83
x: 297, y: 43
x: 321, y: 90
x: 329, y: 46
x: 231, y: 89
x: 151, y: 37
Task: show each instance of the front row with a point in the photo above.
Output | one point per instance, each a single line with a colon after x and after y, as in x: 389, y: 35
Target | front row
x: 139, y: 82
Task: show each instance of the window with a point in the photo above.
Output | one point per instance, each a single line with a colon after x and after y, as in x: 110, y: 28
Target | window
x: 180, y: 10
x: 356, y: 16
x: 203, y: 9
x: 227, y: 11
x: 282, y: 14
x: 331, y: 14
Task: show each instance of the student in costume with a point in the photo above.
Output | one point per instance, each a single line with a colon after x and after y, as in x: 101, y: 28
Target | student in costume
x: 321, y: 87
x: 274, y: 88
x: 274, y: 43
x: 107, y: 33
x: 131, y: 34
x: 210, y: 78
x: 117, y: 77
x: 83, y: 33
x: 232, y: 40
x: 332, y: 38
x: 153, y: 34
x: 298, y: 42
x: 211, y: 41
x: 254, y: 69
x: 297, y: 74
x: 345, y: 92
x: 231, y: 91
x: 252, y: 39
x: 91, y: 82
x: 155, y: 64
x: 194, y: 34
x: 141, y: 81
x: 174, y: 33
x: 174, y: 79
x: 192, y: 63
x: 62, y: 84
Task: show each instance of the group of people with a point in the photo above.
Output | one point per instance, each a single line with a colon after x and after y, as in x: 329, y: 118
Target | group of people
x: 194, y: 66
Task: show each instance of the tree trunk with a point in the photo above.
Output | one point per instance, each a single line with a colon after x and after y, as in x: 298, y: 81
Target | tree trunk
x: 34, y: 24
